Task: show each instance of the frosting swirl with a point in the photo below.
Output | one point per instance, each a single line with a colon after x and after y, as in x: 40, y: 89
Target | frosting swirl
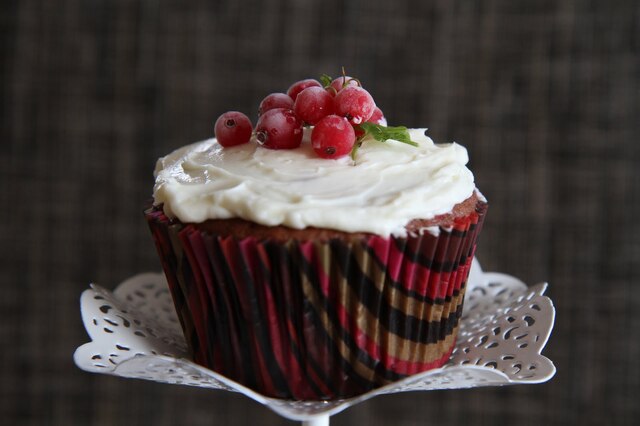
x: 390, y: 184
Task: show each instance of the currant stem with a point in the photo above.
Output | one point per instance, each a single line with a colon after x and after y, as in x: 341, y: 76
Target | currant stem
x: 344, y: 78
x: 354, y: 150
x: 352, y: 79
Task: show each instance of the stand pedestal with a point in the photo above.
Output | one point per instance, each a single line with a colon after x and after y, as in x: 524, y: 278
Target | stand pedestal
x: 317, y: 421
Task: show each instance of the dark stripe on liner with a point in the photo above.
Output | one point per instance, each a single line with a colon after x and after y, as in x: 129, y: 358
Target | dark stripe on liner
x: 432, y: 264
x: 277, y: 253
x: 257, y: 322
x: 439, y: 331
x: 394, y: 320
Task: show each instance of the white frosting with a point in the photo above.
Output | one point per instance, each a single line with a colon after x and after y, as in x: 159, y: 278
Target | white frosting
x: 390, y: 184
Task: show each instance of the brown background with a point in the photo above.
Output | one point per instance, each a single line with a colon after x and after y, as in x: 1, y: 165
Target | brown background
x: 544, y: 94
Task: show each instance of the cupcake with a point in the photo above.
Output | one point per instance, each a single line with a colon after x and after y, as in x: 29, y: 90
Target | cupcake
x: 306, y: 275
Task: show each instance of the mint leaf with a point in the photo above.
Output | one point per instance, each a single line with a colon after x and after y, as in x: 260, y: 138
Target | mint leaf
x: 325, y: 80
x: 383, y: 133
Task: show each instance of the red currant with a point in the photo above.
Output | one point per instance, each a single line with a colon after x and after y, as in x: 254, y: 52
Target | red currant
x: 279, y: 128
x: 332, y: 137
x: 275, y: 100
x: 233, y: 128
x: 376, y: 118
x: 313, y: 104
x: 299, y: 86
x: 354, y: 103
x: 341, y: 82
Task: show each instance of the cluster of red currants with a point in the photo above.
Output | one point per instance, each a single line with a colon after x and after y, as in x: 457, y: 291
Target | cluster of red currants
x: 335, y: 111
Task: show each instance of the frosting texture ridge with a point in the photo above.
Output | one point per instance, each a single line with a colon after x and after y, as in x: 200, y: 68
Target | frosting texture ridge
x: 389, y: 185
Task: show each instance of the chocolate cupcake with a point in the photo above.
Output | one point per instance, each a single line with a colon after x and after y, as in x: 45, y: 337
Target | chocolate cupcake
x: 307, y: 278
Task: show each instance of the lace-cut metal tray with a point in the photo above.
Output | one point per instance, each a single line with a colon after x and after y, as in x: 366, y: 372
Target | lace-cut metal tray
x: 135, y: 333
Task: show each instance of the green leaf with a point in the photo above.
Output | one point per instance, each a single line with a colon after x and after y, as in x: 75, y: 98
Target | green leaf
x: 383, y: 133
x: 325, y: 80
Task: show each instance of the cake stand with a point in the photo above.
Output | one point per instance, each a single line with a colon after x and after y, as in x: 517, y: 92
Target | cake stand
x: 135, y: 333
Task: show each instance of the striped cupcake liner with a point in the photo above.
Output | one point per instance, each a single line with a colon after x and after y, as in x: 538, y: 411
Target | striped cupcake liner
x: 313, y: 320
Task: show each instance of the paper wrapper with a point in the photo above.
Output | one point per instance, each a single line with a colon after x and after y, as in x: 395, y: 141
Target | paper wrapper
x: 313, y: 320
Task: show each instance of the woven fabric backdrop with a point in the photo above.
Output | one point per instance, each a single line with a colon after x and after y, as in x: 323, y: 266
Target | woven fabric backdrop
x: 544, y: 94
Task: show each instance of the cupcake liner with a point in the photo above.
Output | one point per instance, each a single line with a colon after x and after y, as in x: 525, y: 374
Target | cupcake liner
x: 314, y: 320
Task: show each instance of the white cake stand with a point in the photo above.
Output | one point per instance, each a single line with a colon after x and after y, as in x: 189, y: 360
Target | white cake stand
x: 135, y: 333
